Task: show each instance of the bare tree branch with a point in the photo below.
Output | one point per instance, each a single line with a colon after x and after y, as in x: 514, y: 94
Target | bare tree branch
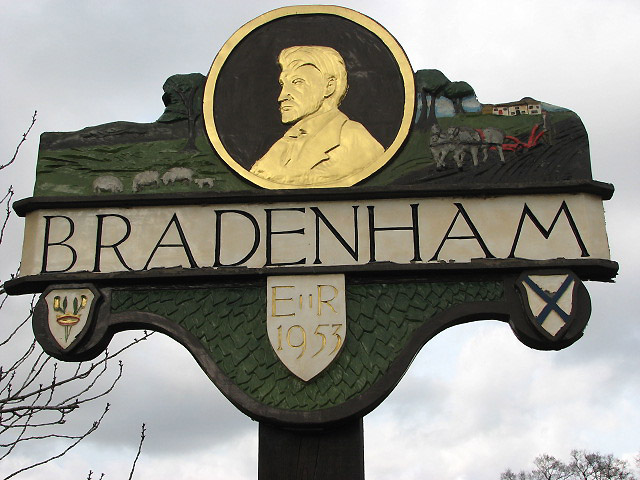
x: 7, y: 200
x: 24, y: 139
x: 583, y: 465
x: 135, y: 460
x: 20, y: 325
x: 37, y: 394
x: 92, y: 429
x: 26, y: 406
x: 77, y: 376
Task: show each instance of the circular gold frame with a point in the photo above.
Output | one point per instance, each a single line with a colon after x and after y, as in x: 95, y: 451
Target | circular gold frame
x: 378, y: 30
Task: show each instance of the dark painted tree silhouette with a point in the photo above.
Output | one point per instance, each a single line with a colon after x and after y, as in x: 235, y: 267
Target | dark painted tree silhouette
x: 183, y: 101
x: 456, y: 91
x: 430, y: 84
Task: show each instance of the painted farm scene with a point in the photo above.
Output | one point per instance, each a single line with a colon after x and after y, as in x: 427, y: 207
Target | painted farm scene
x: 455, y: 140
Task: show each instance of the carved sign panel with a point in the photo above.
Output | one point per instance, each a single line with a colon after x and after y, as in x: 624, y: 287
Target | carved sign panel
x: 306, y: 321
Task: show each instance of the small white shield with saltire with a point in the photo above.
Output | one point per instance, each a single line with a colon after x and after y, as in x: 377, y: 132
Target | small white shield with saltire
x: 550, y: 301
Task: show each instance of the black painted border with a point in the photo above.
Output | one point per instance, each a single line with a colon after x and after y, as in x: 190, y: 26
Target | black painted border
x: 585, y: 269
x: 26, y: 205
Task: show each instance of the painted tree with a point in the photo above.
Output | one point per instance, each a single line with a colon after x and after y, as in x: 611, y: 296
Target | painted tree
x: 456, y: 92
x: 183, y: 101
x: 430, y: 85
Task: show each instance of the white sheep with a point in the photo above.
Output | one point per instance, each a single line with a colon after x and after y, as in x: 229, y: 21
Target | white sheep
x: 177, y: 174
x: 142, y: 179
x: 201, y: 182
x: 107, y: 183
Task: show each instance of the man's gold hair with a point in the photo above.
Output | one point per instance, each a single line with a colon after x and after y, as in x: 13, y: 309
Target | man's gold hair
x: 327, y: 60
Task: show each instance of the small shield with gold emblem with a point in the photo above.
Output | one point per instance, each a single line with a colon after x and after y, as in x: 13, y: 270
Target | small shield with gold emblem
x: 68, y: 312
x: 306, y: 321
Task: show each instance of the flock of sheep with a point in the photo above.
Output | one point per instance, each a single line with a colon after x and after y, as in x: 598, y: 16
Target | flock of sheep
x: 112, y: 184
x: 461, y: 140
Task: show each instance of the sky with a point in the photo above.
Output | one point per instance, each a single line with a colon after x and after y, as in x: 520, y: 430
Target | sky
x: 475, y: 401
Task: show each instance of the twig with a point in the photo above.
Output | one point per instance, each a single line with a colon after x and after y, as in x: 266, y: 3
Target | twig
x: 24, y: 139
x: 92, y: 429
x: 82, y: 375
x: 15, y: 330
x: 7, y: 198
x: 142, y: 437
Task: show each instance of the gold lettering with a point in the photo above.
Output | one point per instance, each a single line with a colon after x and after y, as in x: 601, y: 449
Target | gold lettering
x: 324, y: 337
x: 328, y: 302
x: 279, y: 337
x: 303, y: 340
x: 339, y: 341
x: 274, y: 299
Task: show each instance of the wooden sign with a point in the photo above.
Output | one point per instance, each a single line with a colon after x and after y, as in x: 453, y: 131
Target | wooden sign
x: 307, y: 216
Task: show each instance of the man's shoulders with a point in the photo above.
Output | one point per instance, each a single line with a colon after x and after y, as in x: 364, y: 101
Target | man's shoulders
x: 270, y: 160
x: 351, y: 127
x: 354, y: 131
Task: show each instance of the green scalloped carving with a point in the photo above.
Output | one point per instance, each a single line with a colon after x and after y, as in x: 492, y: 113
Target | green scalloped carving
x: 230, y: 324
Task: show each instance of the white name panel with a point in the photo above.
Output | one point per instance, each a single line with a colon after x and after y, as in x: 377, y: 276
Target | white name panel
x: 340, y: 233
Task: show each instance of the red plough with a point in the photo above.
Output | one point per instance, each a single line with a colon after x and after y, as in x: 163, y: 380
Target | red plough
x: 534, y: 139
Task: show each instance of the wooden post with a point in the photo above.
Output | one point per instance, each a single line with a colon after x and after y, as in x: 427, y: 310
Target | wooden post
x: 311, y: 454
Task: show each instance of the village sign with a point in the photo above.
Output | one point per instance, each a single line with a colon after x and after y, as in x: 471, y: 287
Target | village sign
x: 306, y: 217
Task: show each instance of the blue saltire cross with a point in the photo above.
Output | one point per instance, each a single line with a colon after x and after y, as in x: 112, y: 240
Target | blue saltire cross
x: 551, y: 300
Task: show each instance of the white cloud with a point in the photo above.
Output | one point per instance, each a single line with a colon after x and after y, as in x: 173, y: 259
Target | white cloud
x: 502, y: 405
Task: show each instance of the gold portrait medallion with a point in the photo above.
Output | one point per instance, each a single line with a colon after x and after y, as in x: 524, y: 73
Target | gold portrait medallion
x: 309, y: 97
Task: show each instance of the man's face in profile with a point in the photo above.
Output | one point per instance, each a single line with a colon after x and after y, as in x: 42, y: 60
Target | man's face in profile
x: 303, y: 91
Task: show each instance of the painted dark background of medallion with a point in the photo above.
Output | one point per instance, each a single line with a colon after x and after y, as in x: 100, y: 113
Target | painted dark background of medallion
x: 246, y: 92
